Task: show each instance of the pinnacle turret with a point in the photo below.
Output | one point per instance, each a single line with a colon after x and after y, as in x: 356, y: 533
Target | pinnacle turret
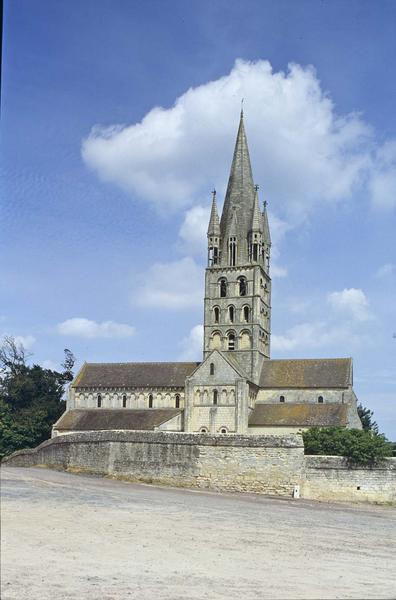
x: 214, y: 222
x: 257, y: 217
x: 266, y: 229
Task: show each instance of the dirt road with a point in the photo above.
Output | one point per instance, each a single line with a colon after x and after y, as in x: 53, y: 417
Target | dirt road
x: 76, y: 537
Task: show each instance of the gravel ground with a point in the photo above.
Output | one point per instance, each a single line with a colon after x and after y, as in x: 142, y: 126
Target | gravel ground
x: 77, y: 537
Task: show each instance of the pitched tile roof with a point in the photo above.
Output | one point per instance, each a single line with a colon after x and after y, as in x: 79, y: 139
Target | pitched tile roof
x: 307, y: 373
x: 99, y: 419
x: 299, y: 415
x: 158, y: 374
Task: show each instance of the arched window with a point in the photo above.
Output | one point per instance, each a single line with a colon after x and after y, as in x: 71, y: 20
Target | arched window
x: 99, y: 400
x: 203, y: 430
x: 223, y: 287
x: 281, y: 398
x: 177, y: 401
x: 150, y: 400
x: 223, y: 430
x: 124, y: 401
x: 246, y: 314
x: 320, y: 399
x: 211, y: 368
x: 231, y: 313
x: 215, y: 396
x: 216, y: 313
x: 231, y: 341
x: 232, y: 247
x: 242, y: 286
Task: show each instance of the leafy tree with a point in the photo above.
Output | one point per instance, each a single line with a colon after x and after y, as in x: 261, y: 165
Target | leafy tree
x: 358, y: 446
x: 366, y: 416
x: 30, y: 397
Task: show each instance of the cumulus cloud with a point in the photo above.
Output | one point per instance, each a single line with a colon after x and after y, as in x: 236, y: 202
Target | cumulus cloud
x: 386, y: 270
x: 383, y: 177
x: 172, y: 285
x: 192, y: 344
x: 308, y: 336
x: 193, y: 229
x: 26, y: 341
x: 351, y: 303
x: 303, y: 152
x: 85, y: 328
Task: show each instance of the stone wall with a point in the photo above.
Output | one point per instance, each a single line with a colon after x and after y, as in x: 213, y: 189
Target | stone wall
x: 329, y: 478
x: 263, y: 464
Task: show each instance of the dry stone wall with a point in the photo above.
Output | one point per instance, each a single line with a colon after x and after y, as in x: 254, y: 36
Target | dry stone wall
x: 265, y: 464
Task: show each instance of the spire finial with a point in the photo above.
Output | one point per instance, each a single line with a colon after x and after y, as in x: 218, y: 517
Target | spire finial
x: 265, y: 203
x: 257, y: 187
x: 242, y: 107
x: 214, y: 194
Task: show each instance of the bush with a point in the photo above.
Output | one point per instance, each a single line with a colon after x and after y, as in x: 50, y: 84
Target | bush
x: 359, y: 447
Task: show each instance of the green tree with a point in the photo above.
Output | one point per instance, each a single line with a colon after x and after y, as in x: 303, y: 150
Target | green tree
x: 358, y: 446
x: 366, y: 417
x: 30, y: 397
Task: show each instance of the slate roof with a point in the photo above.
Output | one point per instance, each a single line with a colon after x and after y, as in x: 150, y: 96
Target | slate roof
x: 307, y: 373
x: 139, y: 374
x: 99, y: 419
x: 299, y: 415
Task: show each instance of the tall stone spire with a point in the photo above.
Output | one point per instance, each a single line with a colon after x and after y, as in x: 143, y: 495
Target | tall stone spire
x: 239, y: 196
x: 214, y: 222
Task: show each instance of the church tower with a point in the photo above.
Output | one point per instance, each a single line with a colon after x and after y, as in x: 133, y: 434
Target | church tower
x: 237, y: 282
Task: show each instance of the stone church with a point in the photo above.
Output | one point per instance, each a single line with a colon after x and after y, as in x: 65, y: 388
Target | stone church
x: 237, y: 388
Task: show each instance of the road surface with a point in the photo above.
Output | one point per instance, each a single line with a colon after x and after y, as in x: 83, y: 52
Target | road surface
x: 70, y: 536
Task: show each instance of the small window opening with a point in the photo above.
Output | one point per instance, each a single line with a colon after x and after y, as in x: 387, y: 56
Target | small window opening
x: 231, y: 341
x: 246, y: 314
x: 211, y: 368
x: 232, y: 251
x: 231, y: 313
x: 216, y: 312
x: 242, y: 286
x: 320, y: 399
x: 358, y: 487
x: 150, y: 400
x: 223, y: 288
x: 124, y: 401
x: 99, y: 400
x: 203, y: 430
x: 215, y: 396
x: 281, y: 398
x: 177, y: 401
x: 223, y: 430
x: 255, y: 252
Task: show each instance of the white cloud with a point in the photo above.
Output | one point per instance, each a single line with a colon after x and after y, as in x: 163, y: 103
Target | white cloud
x: 351, y: 303
x: 193, y: 229
x: 84, y: 328
x: 50, y: 364
x: 319, y: 334
x: 26, y: 341
x: 172, y: 285
x: 303, y: 152
x: 193, y: 344
x: 383, y: 178
x: 386, y: 271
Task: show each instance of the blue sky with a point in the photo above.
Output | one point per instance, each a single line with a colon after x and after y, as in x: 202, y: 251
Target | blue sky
x: 119, y: 117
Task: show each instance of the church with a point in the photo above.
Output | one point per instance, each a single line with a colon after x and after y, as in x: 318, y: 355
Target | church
x: 237, y: 388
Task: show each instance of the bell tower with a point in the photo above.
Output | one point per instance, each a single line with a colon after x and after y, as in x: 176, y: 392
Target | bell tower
x: 237, y: 282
